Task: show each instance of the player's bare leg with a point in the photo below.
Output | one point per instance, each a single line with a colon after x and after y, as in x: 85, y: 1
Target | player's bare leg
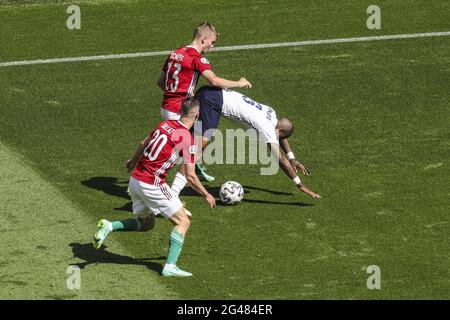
x: 181, y: 224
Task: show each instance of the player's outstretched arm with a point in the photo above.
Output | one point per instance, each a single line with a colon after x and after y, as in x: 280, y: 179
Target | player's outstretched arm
x: 306, y: 190
x: 195, y: 183
x: 218, y: 82
x: 290, y: 171
x: 285, y: 145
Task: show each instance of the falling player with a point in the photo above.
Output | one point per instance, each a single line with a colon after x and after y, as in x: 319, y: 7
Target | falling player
x: 149, y: 192
x: 215, y: 102
x: 180, y: 74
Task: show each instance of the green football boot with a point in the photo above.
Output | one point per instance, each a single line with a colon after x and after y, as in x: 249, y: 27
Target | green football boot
x: 202, y: 175
x: 104, y: 228
x: 171, y: 270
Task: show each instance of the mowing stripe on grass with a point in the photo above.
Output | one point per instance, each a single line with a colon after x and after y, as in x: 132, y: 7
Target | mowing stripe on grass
x: 42, y: 233
x: 230, y: 48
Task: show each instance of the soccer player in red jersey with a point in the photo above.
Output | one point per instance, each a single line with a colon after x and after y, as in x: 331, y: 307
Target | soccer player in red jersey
x: 179, y: 78
x: 184, y: 66
x: 149, y: 192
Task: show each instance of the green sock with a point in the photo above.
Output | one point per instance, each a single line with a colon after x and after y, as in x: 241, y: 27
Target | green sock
x: 126, y: 225
x: 175, y: 245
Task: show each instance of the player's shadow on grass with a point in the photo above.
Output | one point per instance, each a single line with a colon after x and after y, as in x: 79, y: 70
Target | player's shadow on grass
x: 108, y: 185
x: 112, y: 186
x: 277, y: 193
x: 215, y: 192
x: 90, y: 255
x: 297, y: 203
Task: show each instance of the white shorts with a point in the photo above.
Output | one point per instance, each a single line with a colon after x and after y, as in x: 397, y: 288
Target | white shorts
x: 158, y: 199
x: 169, y: 115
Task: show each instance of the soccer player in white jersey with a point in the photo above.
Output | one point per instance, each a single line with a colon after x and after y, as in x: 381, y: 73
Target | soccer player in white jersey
x: 216, y: 102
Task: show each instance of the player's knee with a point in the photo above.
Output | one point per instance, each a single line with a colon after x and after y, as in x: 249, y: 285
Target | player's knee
x: 185, y: 222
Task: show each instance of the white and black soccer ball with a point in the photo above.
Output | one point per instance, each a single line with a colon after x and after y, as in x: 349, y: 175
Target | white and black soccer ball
x: 231, y: 192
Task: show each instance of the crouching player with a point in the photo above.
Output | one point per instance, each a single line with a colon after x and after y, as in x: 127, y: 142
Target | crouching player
x: 149, y: 192
x: 216, y: 102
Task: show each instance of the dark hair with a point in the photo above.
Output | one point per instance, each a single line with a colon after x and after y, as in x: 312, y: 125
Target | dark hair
x: 188, y: 105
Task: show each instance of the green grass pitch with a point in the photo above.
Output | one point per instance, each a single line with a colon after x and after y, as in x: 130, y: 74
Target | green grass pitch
x: 372, y: 124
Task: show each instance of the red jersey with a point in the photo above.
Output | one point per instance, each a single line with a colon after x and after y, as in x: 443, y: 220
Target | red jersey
x: 170, y: 140
x: 183, y: 68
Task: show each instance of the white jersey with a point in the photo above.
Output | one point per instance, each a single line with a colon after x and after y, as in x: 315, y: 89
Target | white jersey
x: 251, y: 113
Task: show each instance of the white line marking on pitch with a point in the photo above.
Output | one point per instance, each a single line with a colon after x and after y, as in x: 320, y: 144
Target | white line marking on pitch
x: 231, y: 48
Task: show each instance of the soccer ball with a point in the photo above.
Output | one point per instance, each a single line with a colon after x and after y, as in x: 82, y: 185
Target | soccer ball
x: 231, y: 192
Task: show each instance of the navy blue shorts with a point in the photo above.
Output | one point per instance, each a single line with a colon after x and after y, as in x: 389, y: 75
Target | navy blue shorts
x: 211, y: 102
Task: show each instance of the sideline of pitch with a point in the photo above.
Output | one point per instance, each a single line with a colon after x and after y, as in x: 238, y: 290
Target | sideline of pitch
x: 231, y: 48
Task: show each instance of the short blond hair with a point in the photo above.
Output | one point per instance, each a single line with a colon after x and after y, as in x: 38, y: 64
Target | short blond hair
x: 202, y: 28
x: 188, y: 107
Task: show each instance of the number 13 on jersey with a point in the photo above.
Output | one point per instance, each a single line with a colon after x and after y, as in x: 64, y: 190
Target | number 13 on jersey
x: 175, y: 80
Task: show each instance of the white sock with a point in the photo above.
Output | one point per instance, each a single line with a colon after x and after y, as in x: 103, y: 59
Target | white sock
x: 179, y: 182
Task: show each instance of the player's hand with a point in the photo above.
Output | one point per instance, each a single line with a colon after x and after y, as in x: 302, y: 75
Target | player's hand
x: 298, y: 166
x: 243, y: 83
x: 211, y: 201
x: 315, y: 196
x: 308, y: 192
